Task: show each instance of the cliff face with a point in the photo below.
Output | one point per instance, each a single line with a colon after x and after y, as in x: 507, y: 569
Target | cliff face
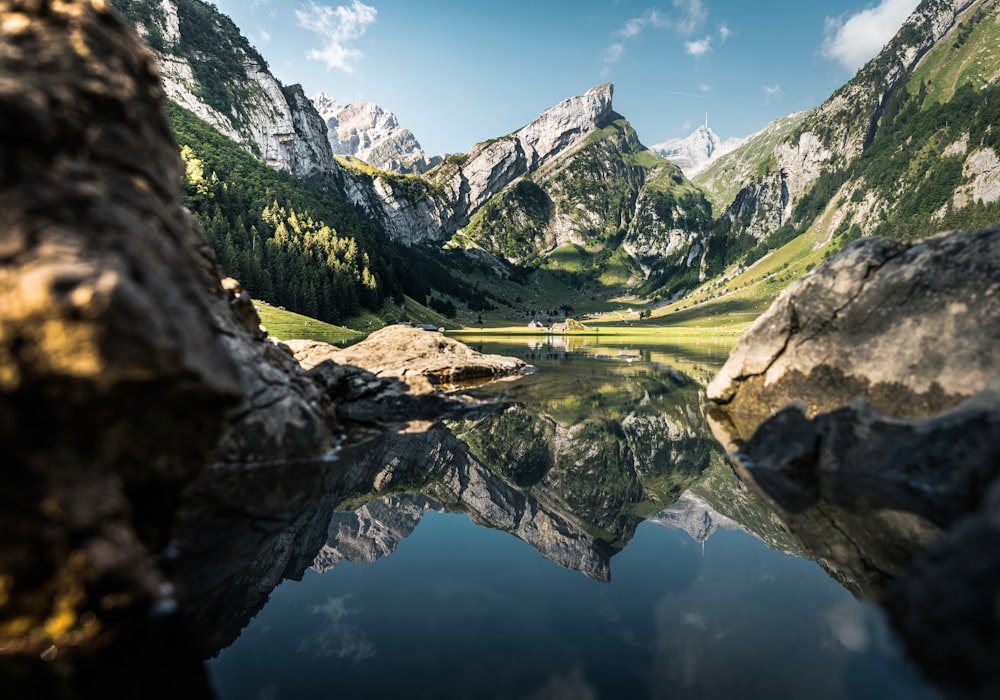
x: 207, y: 67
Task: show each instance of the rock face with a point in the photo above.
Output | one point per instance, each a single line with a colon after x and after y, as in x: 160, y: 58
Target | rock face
x: 886, y: 468
x: 696, y: 152
x: 366, y: 131
x: 196, y: 49
x: 912, y: 328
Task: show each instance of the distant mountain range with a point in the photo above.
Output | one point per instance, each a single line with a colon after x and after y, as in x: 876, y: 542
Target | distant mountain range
x: 907, y: 147
x: 368, y: 132
x: 696, y: 152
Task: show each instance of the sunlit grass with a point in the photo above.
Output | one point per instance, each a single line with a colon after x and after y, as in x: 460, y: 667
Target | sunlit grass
x: 288, y: 325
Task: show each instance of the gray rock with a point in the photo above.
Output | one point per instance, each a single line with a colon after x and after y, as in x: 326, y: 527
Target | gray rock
x: 911, y: 328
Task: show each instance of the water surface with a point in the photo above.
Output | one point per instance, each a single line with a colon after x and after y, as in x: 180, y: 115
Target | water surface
x: 586, y: 540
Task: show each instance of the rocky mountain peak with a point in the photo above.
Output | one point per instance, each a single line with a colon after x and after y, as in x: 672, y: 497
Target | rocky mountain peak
x: 369, y: 132
x: 696, y: 152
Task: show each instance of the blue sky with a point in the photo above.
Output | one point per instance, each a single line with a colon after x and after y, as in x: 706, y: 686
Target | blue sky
x: 457, y: 71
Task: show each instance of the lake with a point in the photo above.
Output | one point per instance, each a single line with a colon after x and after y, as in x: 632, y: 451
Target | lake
x: 585, y: 538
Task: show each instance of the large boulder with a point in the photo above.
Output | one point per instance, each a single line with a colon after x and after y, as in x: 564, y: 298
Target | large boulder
x: 115, y: 383
x: 421, y: 358
x: 870, y: 394
x: 913, y: 328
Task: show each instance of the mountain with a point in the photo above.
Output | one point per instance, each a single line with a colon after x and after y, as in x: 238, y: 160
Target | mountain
x: 892, y: 148
x: 209, y: 68
x: 368, y: 132
x: 905, y: 148
x: 696, y: 152
x: 573, y: 188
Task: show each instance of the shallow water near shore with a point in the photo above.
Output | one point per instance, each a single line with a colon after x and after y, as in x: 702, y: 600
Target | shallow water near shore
x: 586, y: 540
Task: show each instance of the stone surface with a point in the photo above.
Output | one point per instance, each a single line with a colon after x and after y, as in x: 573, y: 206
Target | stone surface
x: 912, y: 328
x: 419, y: 357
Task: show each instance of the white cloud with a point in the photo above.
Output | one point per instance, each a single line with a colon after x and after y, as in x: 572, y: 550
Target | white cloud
x: 724, y: 32
x: 614, y: 53
x: 704, y: 87
x: 700, y: 47
x: 853, y: 41
x: 772, y: 91
x: 263, y: 37
x: 692, y: 15
x: 650, y: 18
x: 337, y: 26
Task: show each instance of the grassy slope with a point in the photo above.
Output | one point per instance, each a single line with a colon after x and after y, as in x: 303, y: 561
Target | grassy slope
x: 287, y: 325
x: 975, y: 61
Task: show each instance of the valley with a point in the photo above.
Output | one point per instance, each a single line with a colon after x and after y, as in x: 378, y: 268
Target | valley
x: 571, y: 215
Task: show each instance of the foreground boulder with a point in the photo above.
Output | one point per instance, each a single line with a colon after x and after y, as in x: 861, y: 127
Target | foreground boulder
x: 115, y: 383
x: 870, y: 394
x: 913, y: 328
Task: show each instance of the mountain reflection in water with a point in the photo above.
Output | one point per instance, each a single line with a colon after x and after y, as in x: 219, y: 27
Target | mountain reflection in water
x: 388, y: 593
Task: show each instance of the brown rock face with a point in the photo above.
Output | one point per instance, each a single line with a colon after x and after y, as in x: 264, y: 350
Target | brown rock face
x: 911, y: 328
x: 114, y: 385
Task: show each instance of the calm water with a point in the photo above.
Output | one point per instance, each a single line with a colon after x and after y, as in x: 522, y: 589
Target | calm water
x: 585, y: 541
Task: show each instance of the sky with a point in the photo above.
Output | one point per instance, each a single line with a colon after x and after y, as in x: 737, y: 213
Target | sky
x: 456, y: 72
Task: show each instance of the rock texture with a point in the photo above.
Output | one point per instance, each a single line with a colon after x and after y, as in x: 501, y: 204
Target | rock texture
x: 419, y: 357
x: 366, y: 131
x: 912, y: 328
x: 114, y: 375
